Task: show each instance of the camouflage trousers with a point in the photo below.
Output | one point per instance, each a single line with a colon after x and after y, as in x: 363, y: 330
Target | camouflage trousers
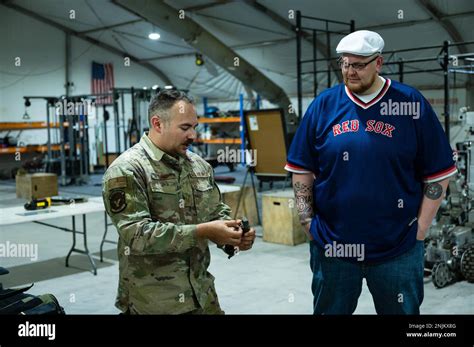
x: 211, y: 307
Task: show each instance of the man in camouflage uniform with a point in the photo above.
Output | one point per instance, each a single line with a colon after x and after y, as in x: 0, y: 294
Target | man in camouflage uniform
x: 166, y: 206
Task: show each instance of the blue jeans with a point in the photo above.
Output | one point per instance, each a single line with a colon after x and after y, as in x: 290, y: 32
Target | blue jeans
x: 396, y: 285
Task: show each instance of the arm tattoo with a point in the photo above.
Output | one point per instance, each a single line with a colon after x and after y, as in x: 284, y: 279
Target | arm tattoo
x: 301, y: 188
x: 433, y: 191
x: 304, y: 201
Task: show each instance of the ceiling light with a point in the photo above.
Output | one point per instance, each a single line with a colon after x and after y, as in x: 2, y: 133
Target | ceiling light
x: 154, y: 36
x: 155, y: 87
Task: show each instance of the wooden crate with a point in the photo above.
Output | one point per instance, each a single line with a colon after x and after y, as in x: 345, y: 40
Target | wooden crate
x: 111, y: 156
x: 280, y: 218
x: 37, y: 185
x: 247, y: 205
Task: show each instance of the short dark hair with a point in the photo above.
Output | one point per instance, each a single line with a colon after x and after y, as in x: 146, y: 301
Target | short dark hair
x: 164, y: 100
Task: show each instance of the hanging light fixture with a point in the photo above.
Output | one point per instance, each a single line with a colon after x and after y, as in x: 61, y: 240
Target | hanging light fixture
x: 153, y: 35
x: 199, y: 61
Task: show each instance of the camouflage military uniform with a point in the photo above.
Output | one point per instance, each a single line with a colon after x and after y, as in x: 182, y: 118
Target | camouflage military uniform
x: 156, y: 201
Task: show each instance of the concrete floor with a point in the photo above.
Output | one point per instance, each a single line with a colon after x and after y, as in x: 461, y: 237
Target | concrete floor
x: 272, y: 278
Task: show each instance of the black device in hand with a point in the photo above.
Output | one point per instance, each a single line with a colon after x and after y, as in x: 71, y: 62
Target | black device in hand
x: 229, y: 249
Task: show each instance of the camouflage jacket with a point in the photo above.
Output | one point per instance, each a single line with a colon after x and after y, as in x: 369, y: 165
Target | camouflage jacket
x: 155, y: 201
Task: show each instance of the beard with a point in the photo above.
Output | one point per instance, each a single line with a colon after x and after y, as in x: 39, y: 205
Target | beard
x: 359, y: 88
x: 183, y: 153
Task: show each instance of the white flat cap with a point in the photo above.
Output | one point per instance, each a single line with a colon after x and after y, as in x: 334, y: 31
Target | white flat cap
x: 361, y: 42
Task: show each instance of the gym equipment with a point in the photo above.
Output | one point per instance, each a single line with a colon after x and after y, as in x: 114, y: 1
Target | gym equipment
x: 449, y: 245
x: 67, y: 141
x: 15, y: 301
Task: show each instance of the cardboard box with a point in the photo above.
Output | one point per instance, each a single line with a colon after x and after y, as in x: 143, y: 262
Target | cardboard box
x: 37, y: 185
x: 280, y: 218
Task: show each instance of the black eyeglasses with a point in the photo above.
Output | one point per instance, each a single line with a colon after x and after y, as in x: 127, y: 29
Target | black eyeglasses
x: 356, y: 66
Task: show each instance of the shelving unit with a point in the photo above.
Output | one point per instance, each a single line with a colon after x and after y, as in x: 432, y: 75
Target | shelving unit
x: 205, y: 120
x: 31, y: 149
x: 27, y: 149
x: 8, y: 126
x: 28, y: 125
x: 223, y: 122
x: 230, y: 141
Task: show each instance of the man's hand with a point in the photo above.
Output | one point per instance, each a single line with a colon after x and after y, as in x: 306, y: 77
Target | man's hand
x: 247, y: 240
x: 421, y: 233
x: 306, y: 228
x: 221, y: 232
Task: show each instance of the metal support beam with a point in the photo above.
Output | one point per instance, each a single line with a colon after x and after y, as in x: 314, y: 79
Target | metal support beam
x: 403, y: 24
x: 439, y: 17
x: 265, y: 43
x: 108, y: 27
x: 322, y: 47
x: 205, y: 6
x: 91, y: 40
x: 166, y: 17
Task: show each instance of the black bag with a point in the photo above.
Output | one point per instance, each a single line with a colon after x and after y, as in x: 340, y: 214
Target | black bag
x: 15, y: 301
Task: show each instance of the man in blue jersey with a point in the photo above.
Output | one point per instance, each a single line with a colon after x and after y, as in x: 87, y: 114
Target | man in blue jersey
x: 370, y: 164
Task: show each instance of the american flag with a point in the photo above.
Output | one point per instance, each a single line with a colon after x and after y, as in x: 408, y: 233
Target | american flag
x: 102, y: 81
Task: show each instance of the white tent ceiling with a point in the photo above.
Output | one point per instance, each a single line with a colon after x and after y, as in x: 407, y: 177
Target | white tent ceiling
x: 265, y: 43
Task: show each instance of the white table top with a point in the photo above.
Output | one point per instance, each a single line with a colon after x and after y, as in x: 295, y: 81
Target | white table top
x: 18, y: 214
x: 228, y: 188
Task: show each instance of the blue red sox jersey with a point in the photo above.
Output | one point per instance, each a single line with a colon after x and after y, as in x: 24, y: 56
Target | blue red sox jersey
x: 370, y: 161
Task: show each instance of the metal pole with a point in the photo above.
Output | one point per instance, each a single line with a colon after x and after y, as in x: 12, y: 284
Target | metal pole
x: 48, y: 126
x: 72, y: 144
x: 298, y: 65
x: 242, y: 129
x: 446, y: 87
x: 78, y: 153
x: 352, y: 24
x: 122, y: 104
x: 138, y: 110
x: 62, y: 148
x: 328, y: 52
x: 86, y: 144
x: 134, y: 126
x: 81, y: 136
x: 400, y: 71
x: 117, y: 125
x: 315, y: 74
x: 106, y: 148
x: 206, y: 126
x: 68, y: 60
